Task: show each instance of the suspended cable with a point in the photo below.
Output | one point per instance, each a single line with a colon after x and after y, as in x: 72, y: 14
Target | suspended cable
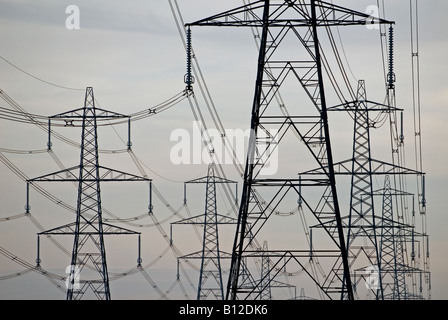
x: 43, y: 125
x: 57, y: 201
x: 15, y: 275
x: 204, y: 89
x: 37, y: 78
x: 153, y: 284
x: 48, y: 275
x: 418, y: 153
x: 416, y: 98
x: 21, y: 115
x: 345, y: 54
x: 14, y: 217
x: 210, y: 148
x: 4, y: 150
x: 39, y: 189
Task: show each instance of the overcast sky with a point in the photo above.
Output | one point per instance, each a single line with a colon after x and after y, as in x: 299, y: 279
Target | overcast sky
x: 132, y: 55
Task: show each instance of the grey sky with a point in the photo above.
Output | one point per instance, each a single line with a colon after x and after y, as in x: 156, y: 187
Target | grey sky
x: 132, y: 55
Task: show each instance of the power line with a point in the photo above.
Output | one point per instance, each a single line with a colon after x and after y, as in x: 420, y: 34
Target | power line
x: 37, y: 78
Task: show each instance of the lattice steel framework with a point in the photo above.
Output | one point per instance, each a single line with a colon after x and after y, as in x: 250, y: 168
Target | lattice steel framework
x: 282, y: 22
x: 88, y: 229
x: 361, y: 223
x: 376, y: 243
x: 391, y: 249
x: 210, y: 283
x: 265, y: 271
x: 399, y: 273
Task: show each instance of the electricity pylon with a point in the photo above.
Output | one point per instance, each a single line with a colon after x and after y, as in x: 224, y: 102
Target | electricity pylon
x: 210, y: 283
x: 265, y: 275
x: 398, y: 270
x: 362, y: 223
x: 267, y: 283
x: 89, y: 229
x: 377, y: 242
x: 366, y: 228
x: 392, y: 261
x: 290, y: 53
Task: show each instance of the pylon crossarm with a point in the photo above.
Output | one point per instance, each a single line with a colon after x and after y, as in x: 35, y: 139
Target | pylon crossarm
x: 108, y: 174
x: 215, y: 179
x: 251, y: 15
x: 69, y: 229
x: 367, y: 105
x: 79, y: 114
x: 72, y: 174
x: 199, y: 219
x: 382, y: 168
x: 69, y: 174
x: 198, y: 255
x: 378, y: 168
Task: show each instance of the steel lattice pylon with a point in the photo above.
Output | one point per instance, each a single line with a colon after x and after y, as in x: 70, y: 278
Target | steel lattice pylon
x: 392, y: 265
x: 88, y: 229
x: 210, y: 284
x: 376, y: 243
x: 362, y: 240
x: 280, y: 22
x: 265, y: 275
x: 369, y: 234
x: 398, y: 269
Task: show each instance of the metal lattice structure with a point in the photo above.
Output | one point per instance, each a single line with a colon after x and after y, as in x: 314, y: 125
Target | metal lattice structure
x: 210, y: 283
x: 369, y: 247
x: 266, y: 293
x: 363, y: 224
x: 296, y: 22
x: 89, y: 229
x: 376, y: 240
x: 398, y: 242
x: 391, y: 250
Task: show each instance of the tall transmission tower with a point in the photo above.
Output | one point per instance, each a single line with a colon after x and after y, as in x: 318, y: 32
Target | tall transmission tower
x: 290, y: 54
x: 210, y: 283
x: 89, y: 250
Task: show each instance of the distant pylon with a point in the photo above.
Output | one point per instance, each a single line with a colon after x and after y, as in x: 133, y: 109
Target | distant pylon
x: 362, y: 222
x: 265, y: 275
x: 399, y: 272
x: 210, y: 277
x: 392, y: 267
x: 88, y: 229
